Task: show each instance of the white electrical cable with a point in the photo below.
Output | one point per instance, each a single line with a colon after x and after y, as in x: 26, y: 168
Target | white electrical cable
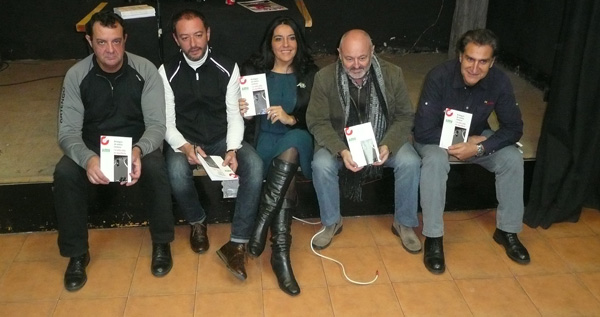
x: 340, y: 263
x: 306, y: 222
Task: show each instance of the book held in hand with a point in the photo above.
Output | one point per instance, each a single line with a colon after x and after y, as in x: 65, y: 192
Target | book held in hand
x: 261, y: 6
x: 254, y: 90
x: 115, y: 158
x: 455, y: 128
x: 362, y: 144
x: 213, y: 165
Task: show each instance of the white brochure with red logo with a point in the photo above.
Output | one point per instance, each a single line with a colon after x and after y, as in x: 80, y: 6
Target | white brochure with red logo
x: 213, y: 165
x: 456, y: 127
x: 115, y: 158
x: 362, y: 144
x: 254, y: 90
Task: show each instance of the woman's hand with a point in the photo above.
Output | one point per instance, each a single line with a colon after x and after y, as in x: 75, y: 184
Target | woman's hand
x: 276, y: 113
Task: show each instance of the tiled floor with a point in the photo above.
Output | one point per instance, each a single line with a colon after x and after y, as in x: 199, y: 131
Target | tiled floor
x: 563, y: 278
x: 28, y: 112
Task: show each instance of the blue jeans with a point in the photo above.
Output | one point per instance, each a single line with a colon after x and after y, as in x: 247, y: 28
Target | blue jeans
x: 506, y: 164
x: 406, y: 164
x: 250, y: 172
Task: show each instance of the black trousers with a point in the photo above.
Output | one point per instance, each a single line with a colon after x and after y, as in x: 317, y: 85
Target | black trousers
x: 71, y: 187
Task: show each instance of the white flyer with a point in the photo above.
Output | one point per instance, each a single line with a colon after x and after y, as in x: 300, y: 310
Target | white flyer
x: 254, y: 90
x: 213, y: 165
x: 456, y: 127
x: 115, y: 158
x: 362, y: 144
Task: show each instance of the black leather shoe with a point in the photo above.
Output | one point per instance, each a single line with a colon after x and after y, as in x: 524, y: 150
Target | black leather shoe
x: 75, y: 276
x: 199, y: 238
x: 162, y: 262
x: 234, y: 256
x: 434, y: 255
x: 514, y: 248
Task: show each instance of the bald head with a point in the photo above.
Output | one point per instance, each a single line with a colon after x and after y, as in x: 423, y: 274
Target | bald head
x: 355, y: 52
x: 355, y: 37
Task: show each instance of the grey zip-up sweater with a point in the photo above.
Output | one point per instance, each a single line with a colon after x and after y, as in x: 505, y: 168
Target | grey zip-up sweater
x: 132, y: 104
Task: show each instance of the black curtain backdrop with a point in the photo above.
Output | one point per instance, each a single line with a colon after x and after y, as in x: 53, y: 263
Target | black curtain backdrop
x: 567, y: 171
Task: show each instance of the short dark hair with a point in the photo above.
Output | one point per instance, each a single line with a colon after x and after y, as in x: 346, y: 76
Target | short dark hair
x: 264, y: 59
x: 106, y: 19
x: 187, y: 14
x: 479, y: 37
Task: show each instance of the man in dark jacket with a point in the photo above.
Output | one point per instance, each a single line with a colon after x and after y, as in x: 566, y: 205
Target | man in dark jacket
x: 117, y: 94
x: 202, y: 91
x: 470, y: 84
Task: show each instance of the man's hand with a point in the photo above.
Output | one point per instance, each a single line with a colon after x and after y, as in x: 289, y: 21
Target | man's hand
x: 476, y: 139
x: 94, y: 174
x: 384, y: 154
x: 348, y: 161
x: 243, y: 106
x: 463, y: 151
x: 191, y: 152
x: 136, y: 166
x: 231, y: 160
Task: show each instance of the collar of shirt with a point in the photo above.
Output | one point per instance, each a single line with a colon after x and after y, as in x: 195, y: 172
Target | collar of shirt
x: 198, y: 63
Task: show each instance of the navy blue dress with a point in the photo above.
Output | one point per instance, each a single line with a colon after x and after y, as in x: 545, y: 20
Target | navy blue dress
x: 275, y: 138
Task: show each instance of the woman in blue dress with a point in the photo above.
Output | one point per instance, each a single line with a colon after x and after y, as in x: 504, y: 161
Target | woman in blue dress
x: 282, y: 139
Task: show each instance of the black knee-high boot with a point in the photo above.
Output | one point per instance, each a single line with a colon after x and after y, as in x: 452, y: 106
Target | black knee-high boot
x: 281, y: 239
x: 279, y: 177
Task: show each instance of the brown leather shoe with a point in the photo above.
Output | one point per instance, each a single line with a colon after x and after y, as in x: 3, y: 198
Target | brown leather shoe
x: 199, y: 238
x: 234, y: 256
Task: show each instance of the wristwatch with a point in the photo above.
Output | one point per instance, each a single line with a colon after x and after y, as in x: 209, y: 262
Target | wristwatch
x: 480, y: 150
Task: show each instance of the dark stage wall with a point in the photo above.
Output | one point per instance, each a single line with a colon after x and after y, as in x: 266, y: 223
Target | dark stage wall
x: 33, y: 29
x: 528, y: 31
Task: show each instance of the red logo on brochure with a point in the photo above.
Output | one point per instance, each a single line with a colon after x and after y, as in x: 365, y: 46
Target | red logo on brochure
x: 242, y: 80
x: 449, y: 112
x: 348, y: 131
x: 233, y: 175
x: 103, y: 140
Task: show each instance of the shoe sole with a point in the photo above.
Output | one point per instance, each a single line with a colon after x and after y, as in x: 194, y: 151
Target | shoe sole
x: 325, y: 246
x: 506, y: 251
x: 224, y: 259
x: 395, y: 232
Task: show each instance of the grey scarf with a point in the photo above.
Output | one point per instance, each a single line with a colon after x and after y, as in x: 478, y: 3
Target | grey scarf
x: 376, y: 110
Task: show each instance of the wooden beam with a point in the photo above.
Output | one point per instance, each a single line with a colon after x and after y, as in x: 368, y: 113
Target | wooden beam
x: 304, y: 11
x: 468, y: 15
x: 80, y: 26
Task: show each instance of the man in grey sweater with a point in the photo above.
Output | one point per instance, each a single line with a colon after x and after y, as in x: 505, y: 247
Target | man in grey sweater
x: 110, y: 93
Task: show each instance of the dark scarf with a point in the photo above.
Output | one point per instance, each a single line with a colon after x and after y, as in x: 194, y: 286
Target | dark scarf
x: 376, y: 113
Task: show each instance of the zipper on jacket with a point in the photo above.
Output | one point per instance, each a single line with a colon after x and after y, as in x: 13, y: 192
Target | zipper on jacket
x: 112, y: 88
